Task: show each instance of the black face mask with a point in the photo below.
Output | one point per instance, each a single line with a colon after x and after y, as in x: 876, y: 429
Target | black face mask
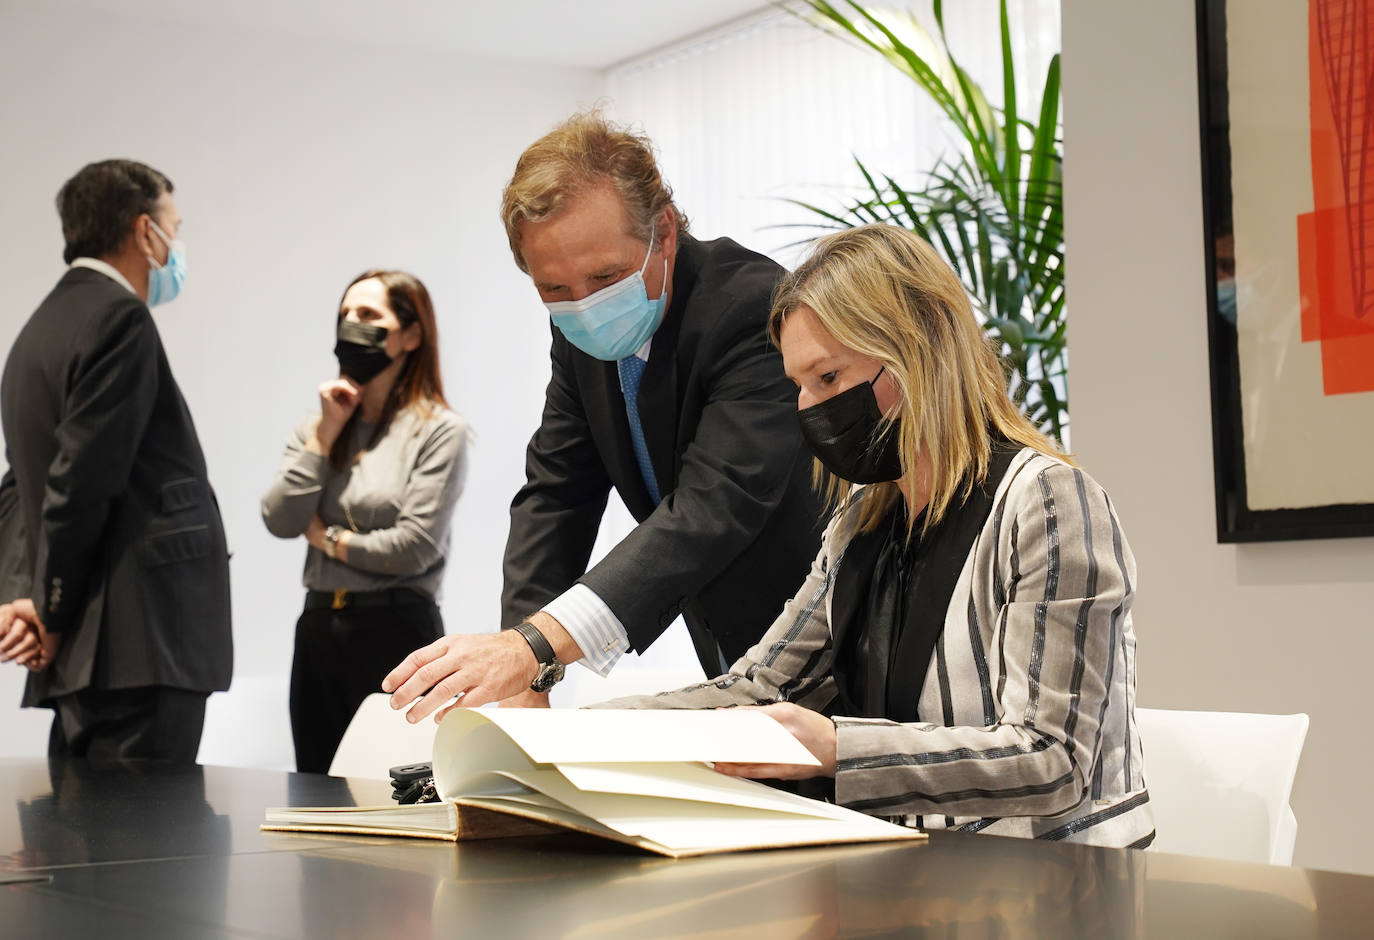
x: 361, y: 351
x: 843, y: 432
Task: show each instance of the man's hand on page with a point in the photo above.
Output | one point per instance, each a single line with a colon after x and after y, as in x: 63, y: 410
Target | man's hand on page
x: 480, y: 667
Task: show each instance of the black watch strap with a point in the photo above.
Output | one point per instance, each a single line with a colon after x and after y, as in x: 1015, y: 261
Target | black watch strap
x: 543, y: 650
x: 550, y: 669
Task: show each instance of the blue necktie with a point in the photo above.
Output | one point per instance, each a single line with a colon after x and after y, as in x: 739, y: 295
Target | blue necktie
x: 631, y: 370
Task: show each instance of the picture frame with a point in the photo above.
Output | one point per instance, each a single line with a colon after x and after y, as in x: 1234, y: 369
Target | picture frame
x: 1291, y: 364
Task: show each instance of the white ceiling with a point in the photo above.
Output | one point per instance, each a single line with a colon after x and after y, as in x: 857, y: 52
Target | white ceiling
x: 583, y: 33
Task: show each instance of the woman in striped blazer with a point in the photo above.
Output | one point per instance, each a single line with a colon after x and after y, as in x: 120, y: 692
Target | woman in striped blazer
x: 961, y: 654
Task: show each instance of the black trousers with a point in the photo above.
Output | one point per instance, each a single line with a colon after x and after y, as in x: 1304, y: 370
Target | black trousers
x: 341, y: 658
x: 147, y: 723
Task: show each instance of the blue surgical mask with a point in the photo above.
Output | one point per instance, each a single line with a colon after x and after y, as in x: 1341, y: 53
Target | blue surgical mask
x: 1226, y: 299
x: 615, y: 321
x: 165, y: 280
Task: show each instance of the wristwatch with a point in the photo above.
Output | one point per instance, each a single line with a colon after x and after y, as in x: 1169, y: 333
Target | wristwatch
x: 331, y: 540
x: 550, y: 669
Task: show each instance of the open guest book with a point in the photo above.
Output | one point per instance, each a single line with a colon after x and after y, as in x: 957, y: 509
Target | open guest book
x: 637, y: 777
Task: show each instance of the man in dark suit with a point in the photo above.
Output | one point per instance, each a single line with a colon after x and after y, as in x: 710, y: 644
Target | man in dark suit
x: 665, y: 387
x: 107, y: 502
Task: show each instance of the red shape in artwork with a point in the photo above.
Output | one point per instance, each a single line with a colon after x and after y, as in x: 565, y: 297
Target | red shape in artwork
x: 1336, y: 240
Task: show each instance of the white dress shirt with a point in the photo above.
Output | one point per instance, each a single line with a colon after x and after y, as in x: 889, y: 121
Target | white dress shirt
x: 107, y: 269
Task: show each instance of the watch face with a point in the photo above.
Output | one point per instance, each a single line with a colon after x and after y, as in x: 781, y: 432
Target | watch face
x: 548, y: 676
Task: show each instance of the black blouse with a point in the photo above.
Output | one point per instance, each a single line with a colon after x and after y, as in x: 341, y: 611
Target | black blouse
x: 891, y: 597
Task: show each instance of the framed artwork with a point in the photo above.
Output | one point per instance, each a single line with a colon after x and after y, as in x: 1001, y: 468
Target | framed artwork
x: 1288, y: 189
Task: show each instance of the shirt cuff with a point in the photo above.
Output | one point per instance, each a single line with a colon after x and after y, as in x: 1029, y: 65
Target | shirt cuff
x: 594, y: 628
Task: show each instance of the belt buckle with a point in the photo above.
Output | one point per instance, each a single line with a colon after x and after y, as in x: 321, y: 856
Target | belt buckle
x: 340, y: 597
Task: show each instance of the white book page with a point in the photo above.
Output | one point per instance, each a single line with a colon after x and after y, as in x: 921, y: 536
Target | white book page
x: 467, y: 748
x: 685, y: 835
x: 686, y: 825
x: 604, y: 736
x: 438, y: 817
x: 692, y: 782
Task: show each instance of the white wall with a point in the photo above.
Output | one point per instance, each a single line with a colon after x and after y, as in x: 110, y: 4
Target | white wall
x: 771, y: 109
x: 1278, y: 627
x: 297, y: 164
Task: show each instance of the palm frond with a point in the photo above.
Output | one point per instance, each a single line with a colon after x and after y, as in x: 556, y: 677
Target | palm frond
x: 993, y: 209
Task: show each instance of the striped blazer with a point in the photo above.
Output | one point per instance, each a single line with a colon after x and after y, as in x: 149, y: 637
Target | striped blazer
x: 1033, y: 677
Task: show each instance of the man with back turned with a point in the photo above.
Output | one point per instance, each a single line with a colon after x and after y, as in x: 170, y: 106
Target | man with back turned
x: 116, y: 567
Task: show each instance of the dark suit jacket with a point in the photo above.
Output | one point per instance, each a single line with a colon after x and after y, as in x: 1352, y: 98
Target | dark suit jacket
x: 121, y: 534
x: 739, y: 523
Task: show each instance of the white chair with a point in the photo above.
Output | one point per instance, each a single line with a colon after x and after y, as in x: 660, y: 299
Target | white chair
x: 1220, y: 782
x: 379, y: 738
x: 248, y: 725
x: 670, y: 663
x: 583, y: 687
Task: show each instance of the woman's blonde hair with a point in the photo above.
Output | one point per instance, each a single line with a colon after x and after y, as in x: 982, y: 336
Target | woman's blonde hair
x: 884, y: 292
x: 583, y: 152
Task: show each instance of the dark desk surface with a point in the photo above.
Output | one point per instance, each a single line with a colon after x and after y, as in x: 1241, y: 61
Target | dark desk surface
x: 139, y: 852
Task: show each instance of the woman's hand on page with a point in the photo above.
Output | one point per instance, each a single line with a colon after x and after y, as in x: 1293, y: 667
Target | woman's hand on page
x: 816, y: 733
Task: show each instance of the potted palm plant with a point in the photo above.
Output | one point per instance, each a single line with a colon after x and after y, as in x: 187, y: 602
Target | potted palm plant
x: 993, y: 208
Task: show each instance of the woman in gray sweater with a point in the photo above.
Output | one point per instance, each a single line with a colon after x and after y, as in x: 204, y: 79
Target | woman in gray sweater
x: 370, y: 482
